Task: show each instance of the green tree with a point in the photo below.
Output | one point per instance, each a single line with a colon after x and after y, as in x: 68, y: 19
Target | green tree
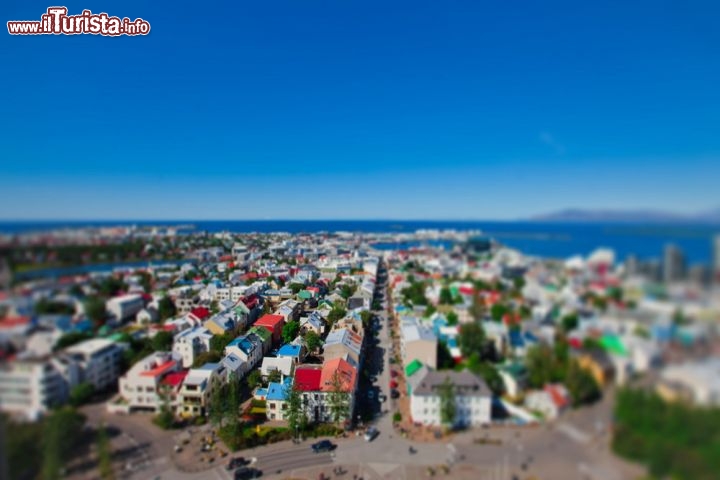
x: 217, y: 407
x: 95, y: 310
x: 162, y: 341
x: 477, y: 309
x: 45, y: 306
x: 452, y: 318
x: 446, y: 296
x: 219, y: 342
x: 498, y: 311
x: 295, y: 416
x: 471, y: 338
x: 110, y: 286
x: 81, y: 393
x: 335, y: 314
x: 274, y: 376
x: 233, y: 400
x: 206, y: 357
x: 313, y: 341
x: 519, y: 283
x: 430, y: 311
x: 296, y: 287
x: 487, y: 372
x: 290, y: 331
x: 165, y: 418
x: 166, y: 308
x: 569, y: 322
x: 446, y: 392
x: 338, y: 400
x: 254, y: 379
x: 104, y: 454
x: 444, y: 358
x: 70, y: 339
x: 61, y: 430
x: 581, y: 385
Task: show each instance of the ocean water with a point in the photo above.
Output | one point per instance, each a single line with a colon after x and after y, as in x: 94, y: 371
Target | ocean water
x: 547, y: 239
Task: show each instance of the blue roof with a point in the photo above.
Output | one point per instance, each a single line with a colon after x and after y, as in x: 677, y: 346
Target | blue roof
x: 276, y: 391
x: 289, y: 350
x: 400, y: 308
x: 261, y: 392
x: 242, y: 343
x: 530, y: 337
x: 516, y: 338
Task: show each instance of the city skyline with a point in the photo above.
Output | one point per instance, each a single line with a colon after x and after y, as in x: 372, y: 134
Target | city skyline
x: 363, y: 111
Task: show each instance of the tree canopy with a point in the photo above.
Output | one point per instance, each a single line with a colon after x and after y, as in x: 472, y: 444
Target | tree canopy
x: 290, y: 331
x: 674, y: 440
x: 471, y: 338
x: 313, y: 340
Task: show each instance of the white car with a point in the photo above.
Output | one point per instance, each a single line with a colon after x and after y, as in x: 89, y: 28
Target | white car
x: 371, y: 433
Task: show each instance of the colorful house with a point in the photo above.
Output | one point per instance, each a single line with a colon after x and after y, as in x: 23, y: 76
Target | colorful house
x: 274, y: 324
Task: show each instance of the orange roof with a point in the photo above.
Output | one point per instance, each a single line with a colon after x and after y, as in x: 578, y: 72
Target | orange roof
x: 159, y: 370
x: 345, y: 372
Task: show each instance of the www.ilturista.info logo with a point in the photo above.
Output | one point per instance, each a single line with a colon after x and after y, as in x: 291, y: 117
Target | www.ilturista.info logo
x: 57, y: 22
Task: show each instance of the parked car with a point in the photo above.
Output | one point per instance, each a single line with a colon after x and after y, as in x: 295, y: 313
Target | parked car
x: 382, y: 397
x: 371, y: 433
x: 236, y: 462
x: 323, y: 446
x: 393, y: 373
x: 394, y: 394
x: 246, y: 473
x: 371, y: 394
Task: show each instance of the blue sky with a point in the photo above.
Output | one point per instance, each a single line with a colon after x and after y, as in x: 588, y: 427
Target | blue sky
x: 357, y: 109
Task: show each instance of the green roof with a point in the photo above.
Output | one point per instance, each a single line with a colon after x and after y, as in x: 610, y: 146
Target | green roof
x: 612, y: 344
x: 261, y: 332
x: 304, y: 294
x: 413, y: 367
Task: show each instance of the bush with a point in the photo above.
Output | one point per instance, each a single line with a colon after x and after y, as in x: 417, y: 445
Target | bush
x: 81, y: 393
x: 164, y: 420
x: 397, y: 417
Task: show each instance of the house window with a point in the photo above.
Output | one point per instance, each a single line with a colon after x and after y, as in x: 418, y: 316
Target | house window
x: 272, y: 406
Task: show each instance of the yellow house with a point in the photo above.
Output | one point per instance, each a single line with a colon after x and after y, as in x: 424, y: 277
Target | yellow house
x: 599, y: 365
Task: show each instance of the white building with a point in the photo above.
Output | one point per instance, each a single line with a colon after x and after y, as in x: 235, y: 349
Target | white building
x: 194, y: 395
x: 417, y: 342
x: 472, y: 399
x: 125, y: 307
x: 99, y: 361
x: 190, y: 343
x: 141, y: 386
x: 282, y: 364
x: 30, y: 387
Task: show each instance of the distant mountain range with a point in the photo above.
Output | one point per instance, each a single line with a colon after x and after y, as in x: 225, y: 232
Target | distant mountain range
x: 647, y: 216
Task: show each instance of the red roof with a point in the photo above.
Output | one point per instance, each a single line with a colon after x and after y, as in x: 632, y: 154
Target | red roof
x: 12, y: 322
x: 313, y: 289
x: 250, y: 276
x: 575, y: 342
x: 159, y: 370
x: 557, y: 396
x: 200, y: 312
x: 270, y: 321
x: 251, y: 301
x: 307, y: 379
x: 467, y: 290
x: 226, y: 258
x: 175, y: 378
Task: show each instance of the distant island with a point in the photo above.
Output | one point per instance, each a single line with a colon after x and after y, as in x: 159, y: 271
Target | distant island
x: 628, y: 216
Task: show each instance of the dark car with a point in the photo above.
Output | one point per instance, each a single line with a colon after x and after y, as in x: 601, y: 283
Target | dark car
x: 246, y: 473
x: 394, y: 394
x: 236, y: 462
x: 323, y: 446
